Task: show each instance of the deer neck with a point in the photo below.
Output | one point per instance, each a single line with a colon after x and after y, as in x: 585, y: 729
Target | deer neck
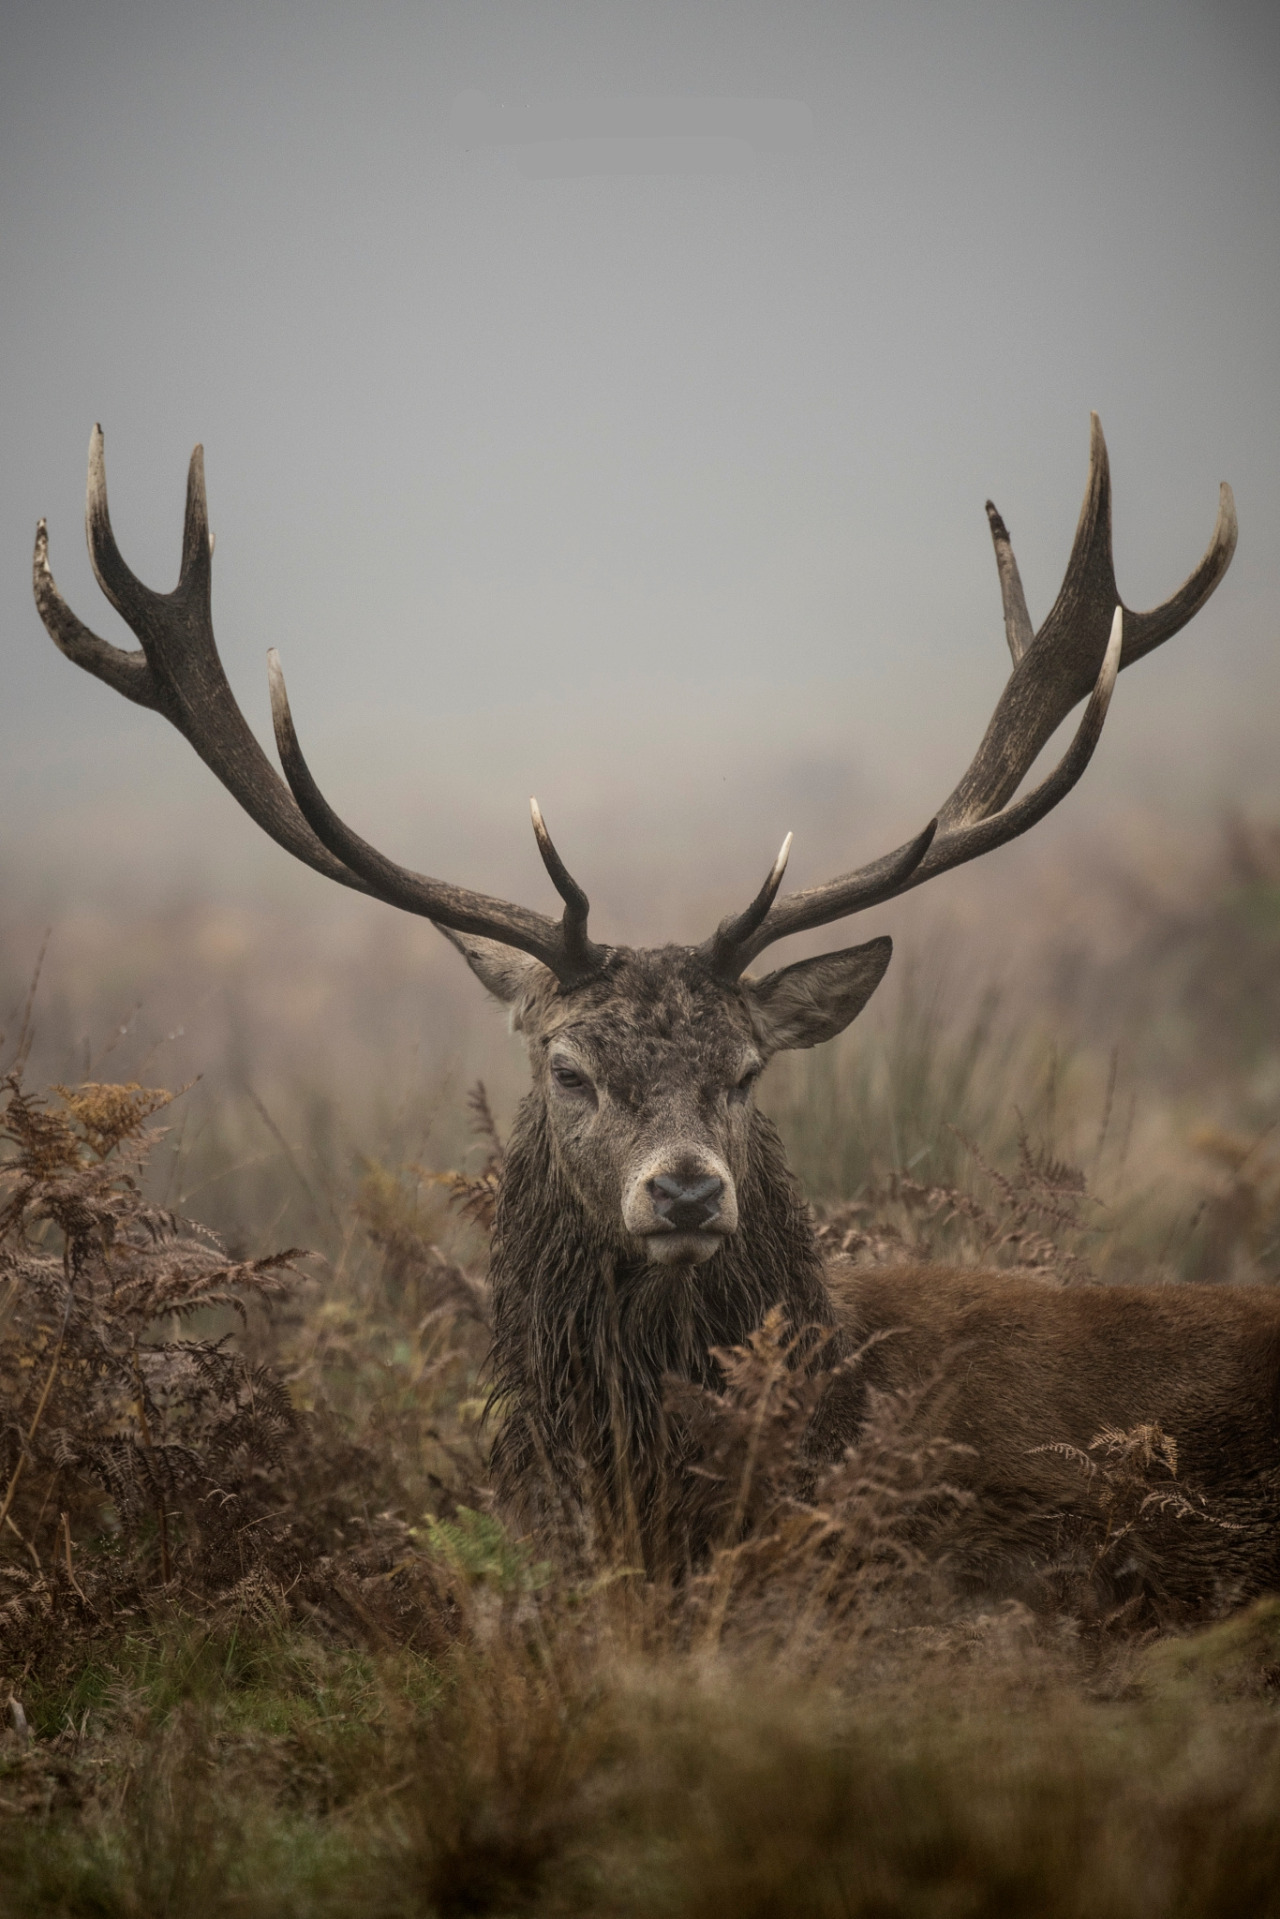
x: 586, y: 1330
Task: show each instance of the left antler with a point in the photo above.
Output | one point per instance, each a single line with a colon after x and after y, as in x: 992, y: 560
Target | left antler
x: 1088, y: 637
x: 179, y: 673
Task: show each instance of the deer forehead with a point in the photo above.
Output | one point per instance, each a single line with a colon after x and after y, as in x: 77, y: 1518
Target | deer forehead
x: 656, y: 1021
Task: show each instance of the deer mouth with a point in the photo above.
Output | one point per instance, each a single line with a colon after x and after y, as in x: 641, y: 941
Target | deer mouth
x: 666, y: 1247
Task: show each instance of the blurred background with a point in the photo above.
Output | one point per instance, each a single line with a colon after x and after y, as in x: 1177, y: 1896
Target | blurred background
x: 600, y: 402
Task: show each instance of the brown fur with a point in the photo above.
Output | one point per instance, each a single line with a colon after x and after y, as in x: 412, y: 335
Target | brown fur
x: 1014, y: 1365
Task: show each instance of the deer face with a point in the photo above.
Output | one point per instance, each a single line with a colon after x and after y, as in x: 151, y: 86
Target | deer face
x: 647, y: 1074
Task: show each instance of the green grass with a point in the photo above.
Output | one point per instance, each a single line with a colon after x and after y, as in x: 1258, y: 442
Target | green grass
x: 569, y: 1772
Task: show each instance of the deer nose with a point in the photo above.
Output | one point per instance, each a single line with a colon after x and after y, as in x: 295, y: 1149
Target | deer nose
x: 686, y: 1204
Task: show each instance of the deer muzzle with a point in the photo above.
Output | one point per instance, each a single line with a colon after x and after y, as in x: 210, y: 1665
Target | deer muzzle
x: 681, y: 1209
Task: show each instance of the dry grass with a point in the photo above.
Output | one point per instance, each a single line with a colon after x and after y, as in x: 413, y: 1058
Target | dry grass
x: 326, y: 1702
x: 265, y: 1648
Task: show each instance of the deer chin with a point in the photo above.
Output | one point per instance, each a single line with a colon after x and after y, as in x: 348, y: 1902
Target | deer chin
x: 681, y: 1249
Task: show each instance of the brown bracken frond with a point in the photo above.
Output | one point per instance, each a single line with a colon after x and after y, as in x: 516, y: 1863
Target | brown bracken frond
x: 1034, y: 1220
x: 109, y: 1115
x: 111, y: 1417
x: 807, y: 1548
x: 475, y: 1195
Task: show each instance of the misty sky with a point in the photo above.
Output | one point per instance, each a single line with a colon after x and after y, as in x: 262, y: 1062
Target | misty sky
x: 635, y: 461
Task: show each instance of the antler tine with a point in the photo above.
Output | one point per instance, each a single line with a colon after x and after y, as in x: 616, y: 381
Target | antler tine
x: 1088, y: 637
x: 148, y: 612
x: 454, y: 907
x: 963, y: 843
x: 124, y: 672
x: 1145, y: 631
x: 1018, y: 629
x: 727, y: 946
x: 178, y: 672
x: 131, y: 599
x: 573, y: 923
x: 730, y: 937
x: 196, y: 575
x: 1061, y: 664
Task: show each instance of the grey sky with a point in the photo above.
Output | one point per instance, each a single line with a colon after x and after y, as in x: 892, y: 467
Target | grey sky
x: 657, y: 492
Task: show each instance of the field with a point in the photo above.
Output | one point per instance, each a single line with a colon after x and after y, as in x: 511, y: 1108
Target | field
x: 264, y: 1646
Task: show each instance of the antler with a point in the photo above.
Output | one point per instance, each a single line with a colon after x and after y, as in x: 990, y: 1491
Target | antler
x: 562, y: 946
x: 1088, y: 637
x: 178, y: 673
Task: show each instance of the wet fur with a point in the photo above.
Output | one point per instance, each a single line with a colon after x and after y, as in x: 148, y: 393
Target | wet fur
x: 586, y: 1331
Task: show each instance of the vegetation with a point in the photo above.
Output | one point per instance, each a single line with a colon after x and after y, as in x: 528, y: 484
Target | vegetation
x: 266, y: 1648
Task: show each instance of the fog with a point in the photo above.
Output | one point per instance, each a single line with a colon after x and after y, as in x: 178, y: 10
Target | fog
x: 600, y: 402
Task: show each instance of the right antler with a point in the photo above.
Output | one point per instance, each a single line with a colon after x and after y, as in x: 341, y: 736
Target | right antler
x: 1085, y: 641
x: 179, y: 674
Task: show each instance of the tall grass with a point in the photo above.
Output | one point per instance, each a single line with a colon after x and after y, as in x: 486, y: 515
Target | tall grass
x: 350, y: 1689
x: 903, y: 1088
x: 359, y: 1692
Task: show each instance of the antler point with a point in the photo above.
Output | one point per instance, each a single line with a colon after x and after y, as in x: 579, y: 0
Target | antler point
x: 276, y: 686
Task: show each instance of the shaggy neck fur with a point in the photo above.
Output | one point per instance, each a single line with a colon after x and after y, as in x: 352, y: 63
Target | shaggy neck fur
x: 586, y: 1330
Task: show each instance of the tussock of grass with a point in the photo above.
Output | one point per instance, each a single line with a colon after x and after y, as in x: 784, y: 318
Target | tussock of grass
x: 571, y: 1773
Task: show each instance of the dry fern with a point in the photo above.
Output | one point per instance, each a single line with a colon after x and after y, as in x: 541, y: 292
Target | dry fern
x: 808, y: 1550
x: 475, y: 1195
x: 115, y: 1422
x: 1035, y: 1220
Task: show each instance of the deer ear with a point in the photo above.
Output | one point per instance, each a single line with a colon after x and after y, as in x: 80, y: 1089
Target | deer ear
x: 509, y: 974
x: 816, y: 998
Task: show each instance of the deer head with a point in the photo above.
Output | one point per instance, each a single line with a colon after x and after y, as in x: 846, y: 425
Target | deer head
x: 644, y: 1061
x: 647, y: 1071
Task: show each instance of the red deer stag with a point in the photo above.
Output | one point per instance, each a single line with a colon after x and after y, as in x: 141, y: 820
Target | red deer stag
x: 646, y: 1213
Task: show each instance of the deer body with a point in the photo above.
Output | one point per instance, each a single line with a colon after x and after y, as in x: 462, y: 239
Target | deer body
x: 647, y: 1215
x: 1017, y: 1369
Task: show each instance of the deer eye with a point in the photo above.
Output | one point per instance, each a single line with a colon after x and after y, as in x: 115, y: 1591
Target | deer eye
x: 745, y: 1082
x: 568, y: 1078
